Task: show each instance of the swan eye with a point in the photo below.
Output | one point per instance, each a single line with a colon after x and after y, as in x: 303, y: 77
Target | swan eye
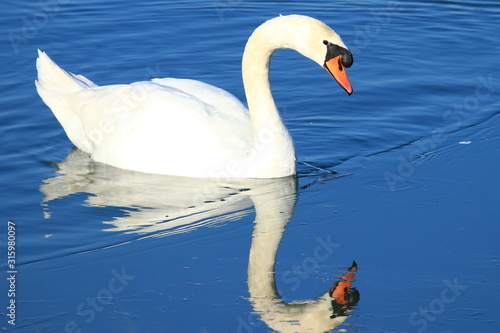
x: 333, y: 50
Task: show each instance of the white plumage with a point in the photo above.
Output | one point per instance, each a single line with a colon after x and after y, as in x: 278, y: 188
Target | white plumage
x: 186, y: 127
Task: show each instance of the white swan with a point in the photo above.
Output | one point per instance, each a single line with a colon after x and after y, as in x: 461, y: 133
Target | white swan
x: 186, y: 127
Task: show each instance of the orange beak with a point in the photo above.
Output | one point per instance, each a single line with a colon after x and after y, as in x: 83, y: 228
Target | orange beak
x: 337, y: 70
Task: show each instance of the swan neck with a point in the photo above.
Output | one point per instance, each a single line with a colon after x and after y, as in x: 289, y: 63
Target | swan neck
x: 255, y: 71
x: 273, y: 154
x: 272, y: 215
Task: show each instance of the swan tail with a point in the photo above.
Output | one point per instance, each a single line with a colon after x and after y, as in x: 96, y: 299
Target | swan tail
x: 53, y: 80
x: 54, y: 85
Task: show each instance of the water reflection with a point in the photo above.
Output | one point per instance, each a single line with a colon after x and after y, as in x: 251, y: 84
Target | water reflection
x: 325, y: 312
x: 160, y: 205
x: 155, y: 205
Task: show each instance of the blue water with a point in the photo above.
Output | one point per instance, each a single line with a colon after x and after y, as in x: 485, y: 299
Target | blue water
x: 417, y: 145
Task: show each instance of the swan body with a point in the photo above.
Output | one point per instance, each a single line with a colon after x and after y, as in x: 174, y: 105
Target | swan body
x: 190, y: 128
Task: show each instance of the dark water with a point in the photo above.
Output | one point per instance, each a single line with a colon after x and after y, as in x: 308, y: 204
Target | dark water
x: 103, y: 250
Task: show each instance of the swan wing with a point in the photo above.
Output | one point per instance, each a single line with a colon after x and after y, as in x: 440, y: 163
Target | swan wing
x: 166, y: 126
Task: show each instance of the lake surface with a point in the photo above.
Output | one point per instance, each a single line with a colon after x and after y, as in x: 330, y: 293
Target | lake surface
x: 401, y: 177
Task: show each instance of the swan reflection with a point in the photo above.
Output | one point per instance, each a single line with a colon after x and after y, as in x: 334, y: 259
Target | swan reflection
x: 154, y: 204
x: 325, y: 312
x: 159, y: 205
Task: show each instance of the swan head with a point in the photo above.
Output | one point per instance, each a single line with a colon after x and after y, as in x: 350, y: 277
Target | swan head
x: 314, y: 40
x: 337, y: 59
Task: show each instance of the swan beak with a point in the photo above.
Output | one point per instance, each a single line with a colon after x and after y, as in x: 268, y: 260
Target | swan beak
x: 337, y: 70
